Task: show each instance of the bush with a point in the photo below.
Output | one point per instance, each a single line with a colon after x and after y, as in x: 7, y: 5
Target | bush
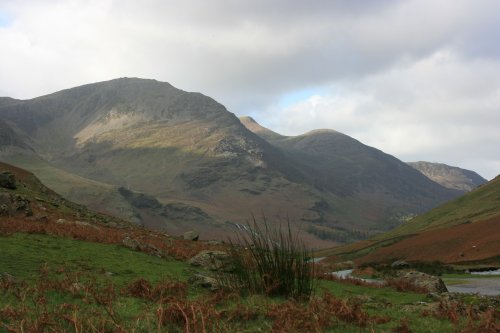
x: 272, y: 261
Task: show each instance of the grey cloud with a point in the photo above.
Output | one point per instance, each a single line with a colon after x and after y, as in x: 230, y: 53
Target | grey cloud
x: 377, y: 57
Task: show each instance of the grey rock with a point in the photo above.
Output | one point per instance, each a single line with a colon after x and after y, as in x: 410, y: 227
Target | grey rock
x: 112, y: 225
x: 144, y: 247
x: 400, y: 264
x: 130, y: 243
x: 7, y: 180
x: 14, y: 203
x: 432, y: 283
x: 191, y: 235
x: 205, y: 282
x: 213, y: 260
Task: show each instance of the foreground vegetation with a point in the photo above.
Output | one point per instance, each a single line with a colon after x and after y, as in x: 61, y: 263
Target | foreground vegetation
x: 52, y: 284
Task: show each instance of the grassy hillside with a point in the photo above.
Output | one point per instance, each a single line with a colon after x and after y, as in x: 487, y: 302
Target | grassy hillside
x: 480, y: 204
x: 64, y: 268
x: 466, y: 229
x: 93, y: 194
x: 76, y: 285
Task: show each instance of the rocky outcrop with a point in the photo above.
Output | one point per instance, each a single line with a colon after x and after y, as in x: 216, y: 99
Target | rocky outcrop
x: 213, y: 260
x: 14, y: 203
x: 7, y: 180
x: 204, y: 282
x: 449, y: 176
x: 135, y: 244
x: 425, y: 281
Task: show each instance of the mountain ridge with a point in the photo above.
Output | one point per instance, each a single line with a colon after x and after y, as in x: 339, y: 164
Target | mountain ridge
x: 185, y: 148
x: 449, y: 176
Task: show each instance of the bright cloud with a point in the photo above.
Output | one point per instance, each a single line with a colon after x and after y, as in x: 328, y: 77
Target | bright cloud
x: 416, y: 78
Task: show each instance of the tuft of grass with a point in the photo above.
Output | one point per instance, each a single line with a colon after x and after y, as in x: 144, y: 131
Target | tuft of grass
x: 272, y: 261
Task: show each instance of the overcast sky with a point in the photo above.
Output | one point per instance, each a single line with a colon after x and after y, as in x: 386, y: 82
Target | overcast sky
x: 417, y: 79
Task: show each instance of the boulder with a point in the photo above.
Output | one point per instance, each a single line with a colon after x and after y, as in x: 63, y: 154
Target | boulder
x: 213, y: 260
x: 5, y: 204
x: 134, y: 244
x: 191, y: 235
x: 7, y: 180
x: 204, y: 281
x: 400, y: 264
x: 14, y: 203
x: 130, y: 243
x: 426, y: 281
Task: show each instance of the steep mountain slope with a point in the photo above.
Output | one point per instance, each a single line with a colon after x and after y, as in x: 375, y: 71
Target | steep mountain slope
x: 379, y: 186
x: 191, y: 155
x: 182, y: 148
x: 449, y: 176
x: 463, y: 230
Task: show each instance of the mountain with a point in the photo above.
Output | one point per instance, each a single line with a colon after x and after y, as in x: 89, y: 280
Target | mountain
x: 176, y: 160
x: 463, y: 231
x: 449, y: 176
x: 378, y: 185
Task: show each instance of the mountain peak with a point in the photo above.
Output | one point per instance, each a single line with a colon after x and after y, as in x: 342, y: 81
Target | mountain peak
x: 321, y: 131
x: 258, y: 129
x: 449, y: 176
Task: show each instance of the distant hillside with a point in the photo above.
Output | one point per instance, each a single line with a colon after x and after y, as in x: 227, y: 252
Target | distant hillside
x: 464, y: 230
x: 378, y: 185
x: 449, y: 176
x: 203, y: 167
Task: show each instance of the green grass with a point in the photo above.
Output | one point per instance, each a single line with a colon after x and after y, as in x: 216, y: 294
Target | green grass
x: 22, y: 255
x: 107, y: 305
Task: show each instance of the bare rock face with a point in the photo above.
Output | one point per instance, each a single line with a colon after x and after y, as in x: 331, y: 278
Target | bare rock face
x: 213, y: 260
x: 449, y: 176
x: 7, y: 180
x: 425, y: 281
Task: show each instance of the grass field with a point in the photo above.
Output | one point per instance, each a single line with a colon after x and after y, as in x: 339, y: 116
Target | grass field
x: 53, y: 283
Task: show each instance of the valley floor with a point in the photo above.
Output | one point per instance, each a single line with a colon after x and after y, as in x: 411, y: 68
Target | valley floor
x: 50, y: 283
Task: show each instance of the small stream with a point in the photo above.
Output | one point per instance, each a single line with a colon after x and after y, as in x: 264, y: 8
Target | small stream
x: 482, y: 286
